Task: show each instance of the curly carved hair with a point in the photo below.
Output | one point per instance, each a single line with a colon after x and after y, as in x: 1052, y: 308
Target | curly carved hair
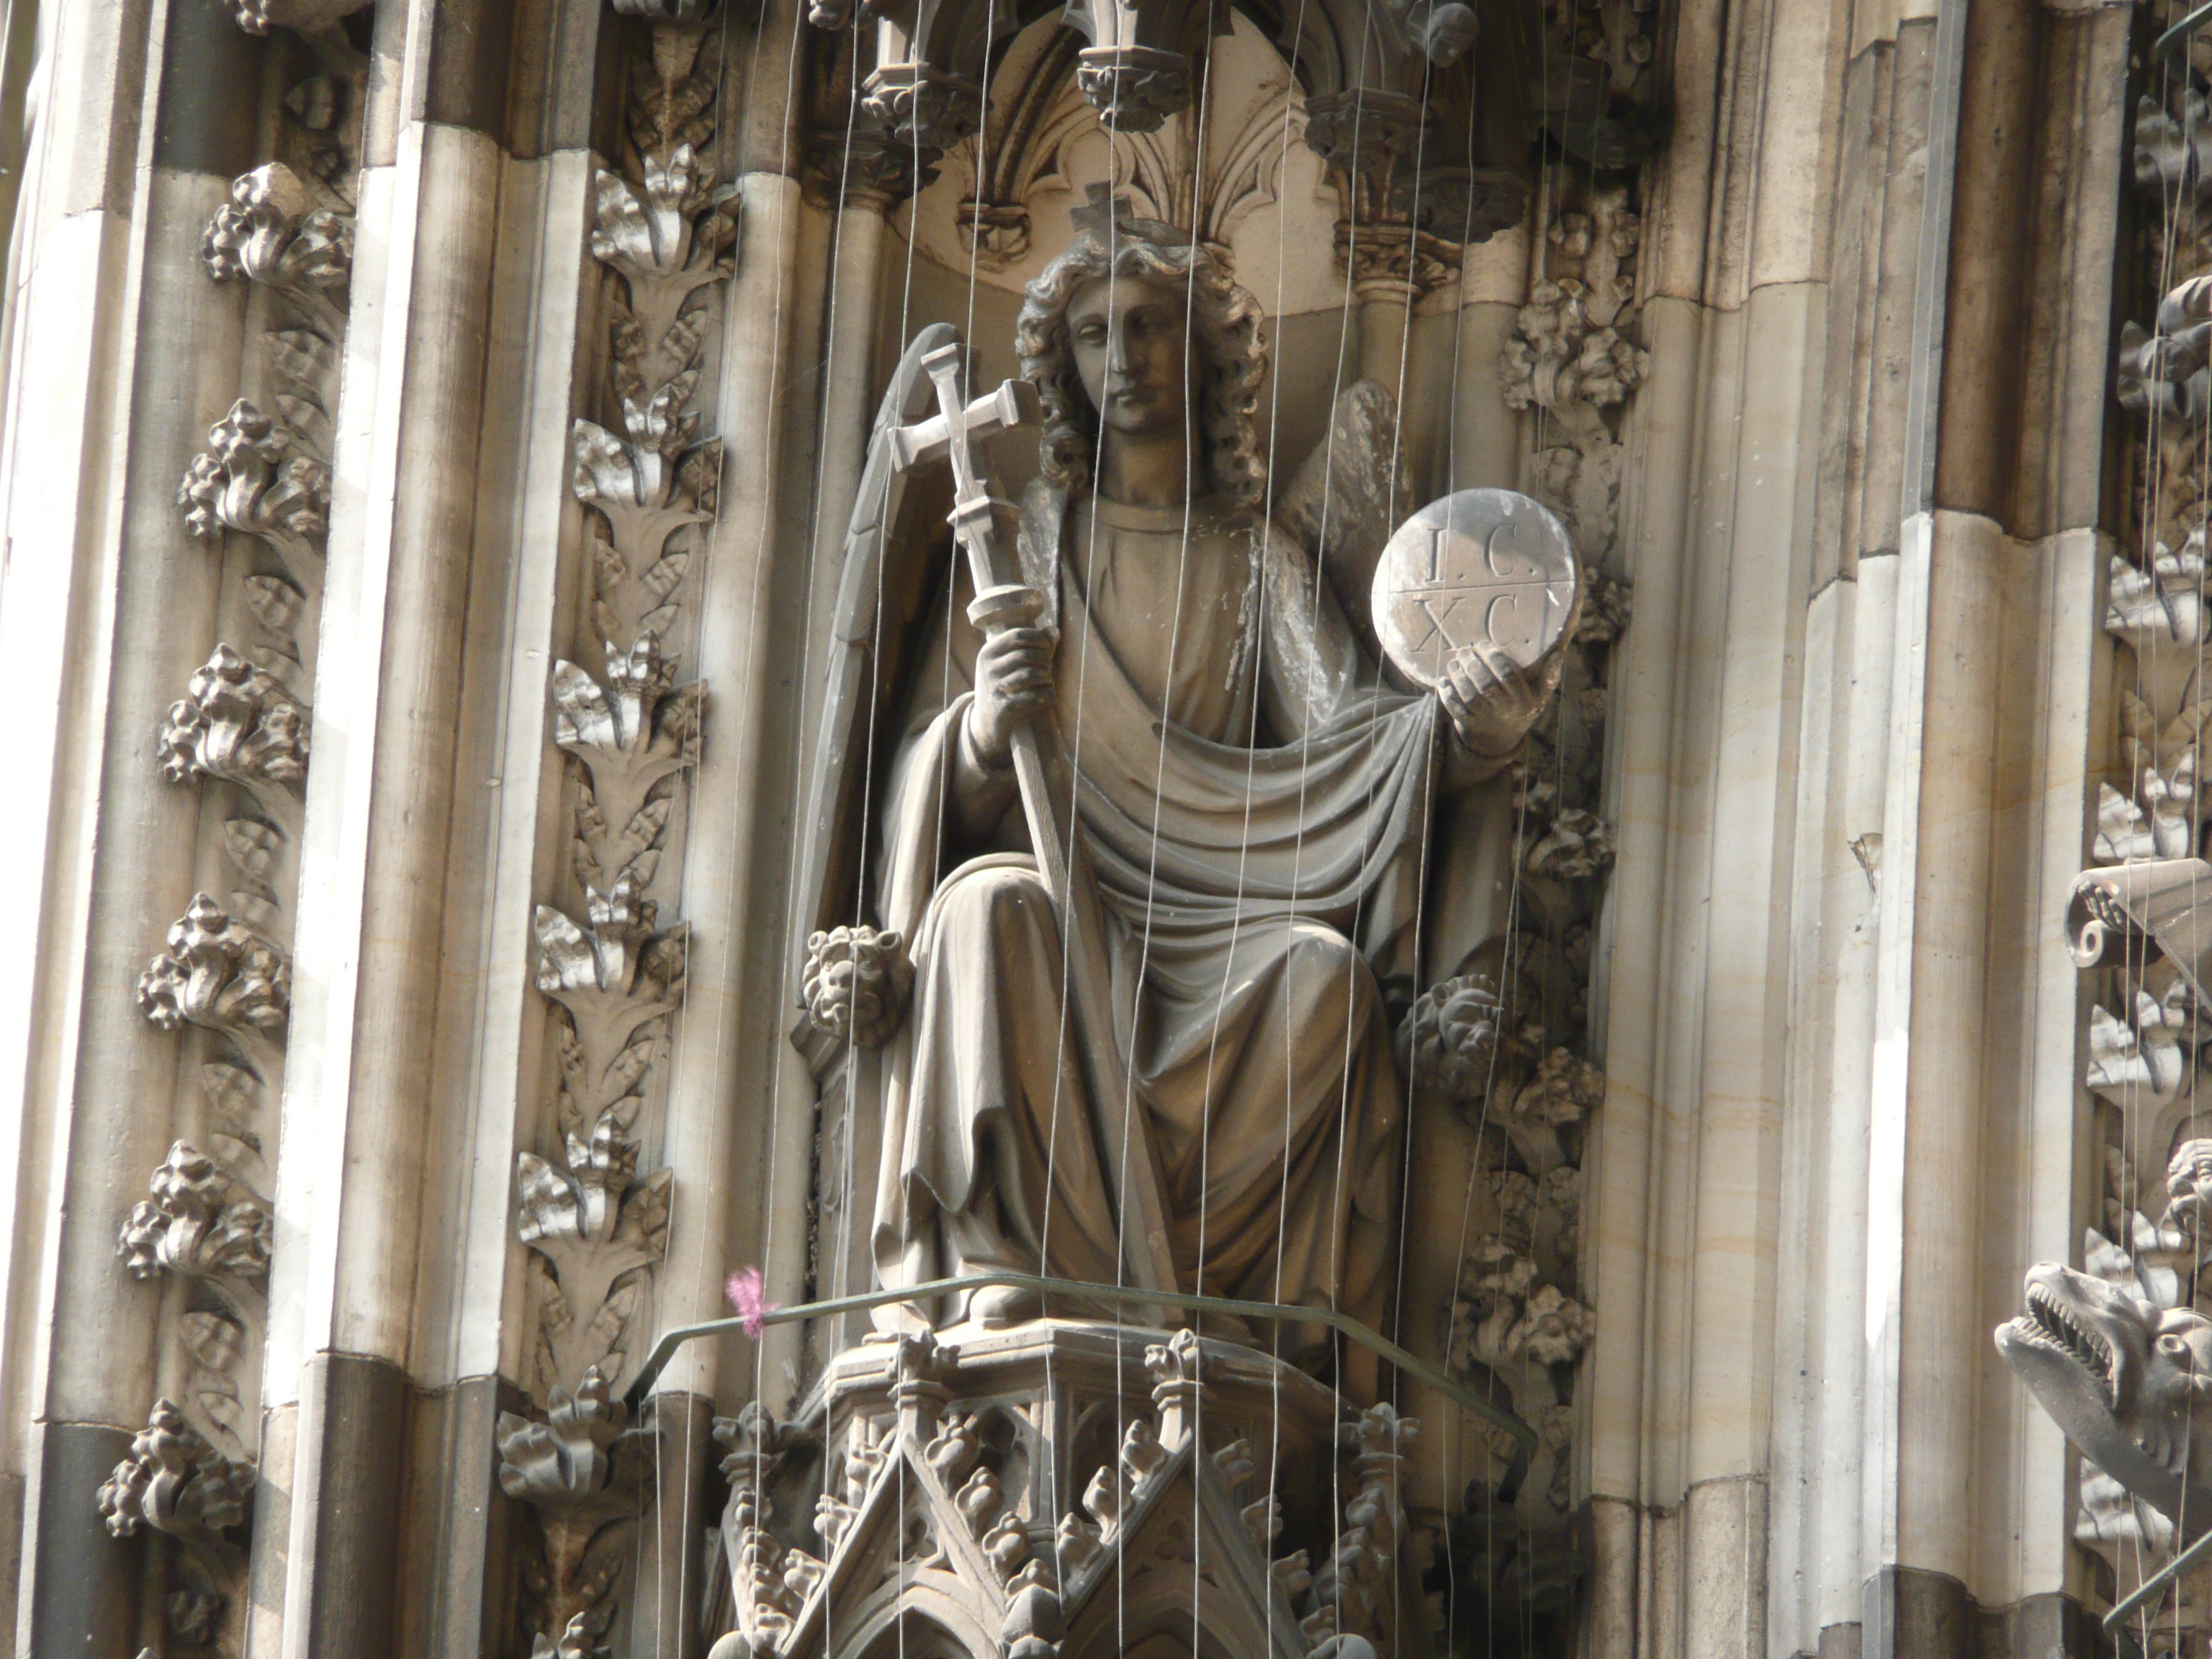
x: 1225, y: 327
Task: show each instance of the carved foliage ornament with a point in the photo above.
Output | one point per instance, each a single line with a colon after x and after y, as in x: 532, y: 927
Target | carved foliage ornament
x: 586, y: 1473
x: 256, y: 478
x: 199, y: 1221
x: 177, y: 1484
x: 1565, y: 362
x: 772, y: 1581
x: 276, y: 232
x: 243, y: 726
x: 2144, y: 1035
x: 666, y: 233
x: 217, y: 973
x: 1518, y: 1321
x: 665, y: 230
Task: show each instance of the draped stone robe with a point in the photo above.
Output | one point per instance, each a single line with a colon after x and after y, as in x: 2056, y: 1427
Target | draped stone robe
x: 1254, y: 804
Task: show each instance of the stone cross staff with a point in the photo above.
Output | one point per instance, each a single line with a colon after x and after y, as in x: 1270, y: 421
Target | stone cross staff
x: 959, y: 431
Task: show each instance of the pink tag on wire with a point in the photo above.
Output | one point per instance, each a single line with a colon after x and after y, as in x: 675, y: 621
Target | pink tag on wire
x: 748, y: 1294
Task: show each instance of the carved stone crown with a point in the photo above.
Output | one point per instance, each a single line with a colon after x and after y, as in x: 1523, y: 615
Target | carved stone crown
x: 1108, y: 219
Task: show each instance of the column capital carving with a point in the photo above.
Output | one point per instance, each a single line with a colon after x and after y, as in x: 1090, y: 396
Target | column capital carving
x: 924, y: 108
x: 864, y: 167
x: 1133, y: 88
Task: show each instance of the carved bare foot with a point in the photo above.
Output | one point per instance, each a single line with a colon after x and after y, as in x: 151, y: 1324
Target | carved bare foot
x: 999, y: 1306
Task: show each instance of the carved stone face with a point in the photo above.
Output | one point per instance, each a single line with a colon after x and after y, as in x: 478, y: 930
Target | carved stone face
x: 1131, y: 338
x: 2128, y: 1382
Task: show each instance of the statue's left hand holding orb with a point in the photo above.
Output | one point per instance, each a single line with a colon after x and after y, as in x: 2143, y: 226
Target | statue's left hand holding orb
x: 1492, y: 700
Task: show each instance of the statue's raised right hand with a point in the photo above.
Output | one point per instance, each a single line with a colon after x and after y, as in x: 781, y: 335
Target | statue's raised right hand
x: 1013, y: 686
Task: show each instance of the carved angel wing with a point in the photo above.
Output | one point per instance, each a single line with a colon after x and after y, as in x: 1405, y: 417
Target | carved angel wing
x: 884, y: 576
x: 1349, y: 495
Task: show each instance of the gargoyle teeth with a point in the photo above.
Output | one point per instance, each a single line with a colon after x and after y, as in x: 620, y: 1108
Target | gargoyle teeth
x: 2054, y: 1320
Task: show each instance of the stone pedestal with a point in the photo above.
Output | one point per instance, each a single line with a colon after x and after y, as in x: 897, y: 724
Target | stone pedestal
x: 1071, y: 1488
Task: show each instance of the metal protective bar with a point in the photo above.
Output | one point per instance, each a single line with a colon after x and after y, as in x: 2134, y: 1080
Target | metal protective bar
x: 2189, y: 1558
x: 1524, y: 1436
x: 2167, y: 40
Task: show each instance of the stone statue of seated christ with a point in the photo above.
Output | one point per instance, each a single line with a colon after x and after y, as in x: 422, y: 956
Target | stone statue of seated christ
x: 1252, y: 790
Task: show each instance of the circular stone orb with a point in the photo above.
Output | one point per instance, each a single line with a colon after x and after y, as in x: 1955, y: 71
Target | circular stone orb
x: 1477, y: 566
x: 1449, y: 31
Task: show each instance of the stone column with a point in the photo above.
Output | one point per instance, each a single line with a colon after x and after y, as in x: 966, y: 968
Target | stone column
x: 1636, y: 1212
x: 1686, y: 1180
x: 733, y: 1148
x: 472, y: 1338
x: 1815, y: 1577
x: 1382, y: 304
x: 719, y: 1144
x: 847, y: 394
x: 867, y: 177
x: 1993, y: 742
x: 1493, y: 281
x: 380, y: 806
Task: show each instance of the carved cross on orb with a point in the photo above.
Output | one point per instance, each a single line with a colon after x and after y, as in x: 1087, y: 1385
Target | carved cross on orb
x: 1476, y: 568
